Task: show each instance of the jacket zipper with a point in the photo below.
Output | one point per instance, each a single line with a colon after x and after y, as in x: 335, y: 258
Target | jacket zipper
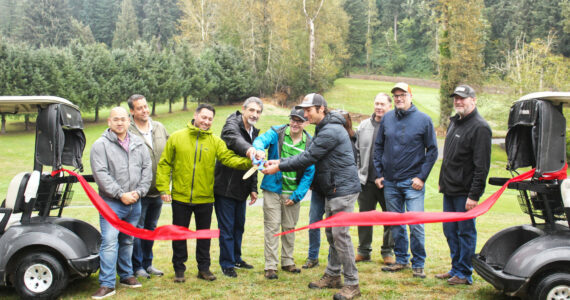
x: 194, y: 166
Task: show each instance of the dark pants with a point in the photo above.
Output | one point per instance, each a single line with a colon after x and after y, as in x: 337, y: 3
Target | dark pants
x: 231, y: 222
x: 461, y: 238
x: 367, y: 200
x: 142, y: 249
x: 181, y: 215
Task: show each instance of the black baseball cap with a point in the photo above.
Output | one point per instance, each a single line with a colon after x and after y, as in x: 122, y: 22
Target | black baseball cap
x: 464, y: 91
x: 299, y: 113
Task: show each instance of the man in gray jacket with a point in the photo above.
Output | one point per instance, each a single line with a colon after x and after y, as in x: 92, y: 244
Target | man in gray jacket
x: 154, y: 136
x: 371, y: 193
x: 336, y: 179
x: 122, y: 170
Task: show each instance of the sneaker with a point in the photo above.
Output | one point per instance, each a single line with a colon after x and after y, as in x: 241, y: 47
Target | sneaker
x: 389, y: 260
x: 291, y: 269
x: 243, y: 265
x: 418, y: 272
x: 230, y: 272
x: 360, y: 258
x: 103, y: 292
x: 445, y: 275
x: 457, y: 281
x: 270, y: 274
x: 179, y: 277
x: 206, y: 275
x: 311, y: 263
x: 142, y: 273
x: 395, y: 267
x: 130, y: 282
x: 154, y: 271
x: 347, y: 292
x: 327, y: 281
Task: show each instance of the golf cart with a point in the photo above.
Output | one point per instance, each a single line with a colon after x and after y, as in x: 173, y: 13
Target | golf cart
x: 41, y: 251
x: 533, y: 261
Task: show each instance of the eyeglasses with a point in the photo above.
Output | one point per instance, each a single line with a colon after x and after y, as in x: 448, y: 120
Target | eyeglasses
x: 297, y: 121
x: 400, y: 95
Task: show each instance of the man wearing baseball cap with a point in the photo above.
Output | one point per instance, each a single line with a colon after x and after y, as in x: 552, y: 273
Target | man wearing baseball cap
x: 283, y: 191
x: 336, y: 178
x: 405, y: 151
x: 464, y: 169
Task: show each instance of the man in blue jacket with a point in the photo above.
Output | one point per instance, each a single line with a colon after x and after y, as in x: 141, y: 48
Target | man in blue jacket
x: 336, y: 178
x: 405, y: 151
x: 283, y: 191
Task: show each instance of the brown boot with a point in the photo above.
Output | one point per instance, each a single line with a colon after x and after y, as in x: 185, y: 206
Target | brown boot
x: 445, y: 275
x: 395, y: 268
x: 389, y: 260
x: 327, y: 281
x: 360, y: 258
x: 347, y: 292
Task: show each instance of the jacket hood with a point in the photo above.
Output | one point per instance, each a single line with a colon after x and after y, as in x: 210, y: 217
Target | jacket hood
x: 400, y: 113
x: 195, y: 130
x: 332, y: 118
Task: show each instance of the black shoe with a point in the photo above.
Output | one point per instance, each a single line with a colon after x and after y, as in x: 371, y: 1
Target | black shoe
x: 230, y: 272
x: 243, y: 265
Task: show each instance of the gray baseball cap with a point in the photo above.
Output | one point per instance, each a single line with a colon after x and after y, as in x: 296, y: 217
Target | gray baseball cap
x: 464, y: 91
x: 312, y: 100
x: 299, y: 113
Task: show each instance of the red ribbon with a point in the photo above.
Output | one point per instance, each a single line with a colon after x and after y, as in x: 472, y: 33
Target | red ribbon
x: 166, y: 232
x: 374, y: 217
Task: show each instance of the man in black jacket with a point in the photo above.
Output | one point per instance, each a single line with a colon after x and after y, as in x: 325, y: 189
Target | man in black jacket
x: 336, y: 178
x: 465, y: 165
x: 230, y: 190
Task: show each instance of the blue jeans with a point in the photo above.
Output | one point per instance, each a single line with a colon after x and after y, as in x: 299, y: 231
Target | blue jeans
x: 142, y: 249
x: 461, y: 238
x: 316, y: 213
x: 231, y: 221
x: 117, y: 248
x: 401, y: 197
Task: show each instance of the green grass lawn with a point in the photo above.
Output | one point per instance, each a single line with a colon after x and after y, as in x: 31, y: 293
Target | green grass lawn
x: 349, y: 94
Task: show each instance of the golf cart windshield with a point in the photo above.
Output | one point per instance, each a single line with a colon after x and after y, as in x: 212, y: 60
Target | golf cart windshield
x: 537, y: 133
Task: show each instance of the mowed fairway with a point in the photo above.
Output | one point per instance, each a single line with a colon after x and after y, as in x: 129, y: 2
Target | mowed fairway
x: 349, y: 94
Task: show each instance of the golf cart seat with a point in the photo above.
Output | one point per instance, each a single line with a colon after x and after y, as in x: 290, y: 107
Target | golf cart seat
x: 22, y: 188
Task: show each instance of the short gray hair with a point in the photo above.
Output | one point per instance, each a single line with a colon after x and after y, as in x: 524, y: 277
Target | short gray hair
x: 255, y: 100
x: 380, y: 95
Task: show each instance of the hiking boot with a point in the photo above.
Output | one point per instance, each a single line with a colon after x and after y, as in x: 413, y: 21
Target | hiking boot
x: 131, y: 282
x: 206, y: 275
x: 291, y: 269
x: 418, y: 272
x: 347, y: 292
x: 270, y: 274
x: 360, y: 258
x: 327, y: 281
x: 243, y: 265
x: 311, y: 263
x: 389, y: 260
x: 154, y: 271
x: 103, y: 292
x: 179, y: 277
x: 445, y: 275
x: 230, y: 272
x: 457, y: 281
x: 395, y: 267
x: 142, y: 273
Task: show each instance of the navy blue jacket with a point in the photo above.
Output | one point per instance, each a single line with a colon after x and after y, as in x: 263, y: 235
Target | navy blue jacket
x: 406, y: 145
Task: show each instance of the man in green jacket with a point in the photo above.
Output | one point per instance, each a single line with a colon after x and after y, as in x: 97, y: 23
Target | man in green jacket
x: 189, y: 159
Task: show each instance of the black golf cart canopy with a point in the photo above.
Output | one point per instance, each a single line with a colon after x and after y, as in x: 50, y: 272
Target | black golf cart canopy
x: 537, y: 132
x: 59, y: 129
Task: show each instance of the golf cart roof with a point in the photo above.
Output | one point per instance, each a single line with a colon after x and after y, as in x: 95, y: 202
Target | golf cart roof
x: 29, y: 104
x: 554, y: 97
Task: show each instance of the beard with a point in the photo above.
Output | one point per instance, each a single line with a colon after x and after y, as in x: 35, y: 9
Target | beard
x: 251, y: 122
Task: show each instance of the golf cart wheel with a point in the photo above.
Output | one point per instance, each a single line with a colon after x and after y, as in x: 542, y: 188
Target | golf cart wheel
x: 40, y: 276
x: 553, y: 287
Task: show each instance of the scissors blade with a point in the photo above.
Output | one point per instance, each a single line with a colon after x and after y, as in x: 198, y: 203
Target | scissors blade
x: 249, y: 172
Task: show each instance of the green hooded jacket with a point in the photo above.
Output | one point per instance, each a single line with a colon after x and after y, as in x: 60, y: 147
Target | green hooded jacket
x: 190, y: 157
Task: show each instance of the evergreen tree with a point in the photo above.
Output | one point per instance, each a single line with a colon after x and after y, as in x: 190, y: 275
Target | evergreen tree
x: 46, y: 22
x: 356, y: 40
x: 102, y: 20
x: 127, y: 31
x: 160, y: 21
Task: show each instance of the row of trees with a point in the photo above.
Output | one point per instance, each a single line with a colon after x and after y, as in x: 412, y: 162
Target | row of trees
x: 92, y: 76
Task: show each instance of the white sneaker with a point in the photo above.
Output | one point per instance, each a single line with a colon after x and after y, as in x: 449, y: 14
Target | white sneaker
x: 154, y: 271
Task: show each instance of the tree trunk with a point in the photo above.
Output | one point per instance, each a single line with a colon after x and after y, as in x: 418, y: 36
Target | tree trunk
x: 3, y: 130
x: 27, y: 122
x: 153, y: 108
x: 396, y: 27
x: 96, y: 112
x: 368, y: 37
x: 169, y: 106
x: 185, y: 106
x: 311, y: 48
